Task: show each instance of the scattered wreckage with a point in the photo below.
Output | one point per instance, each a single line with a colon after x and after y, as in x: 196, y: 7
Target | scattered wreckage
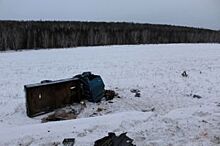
x: 49, y: 95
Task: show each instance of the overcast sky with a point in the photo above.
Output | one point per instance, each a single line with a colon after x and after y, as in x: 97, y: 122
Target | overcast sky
x: 197, y: 13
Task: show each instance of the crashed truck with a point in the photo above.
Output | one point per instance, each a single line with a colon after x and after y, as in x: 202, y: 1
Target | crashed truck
x: 49, y: 95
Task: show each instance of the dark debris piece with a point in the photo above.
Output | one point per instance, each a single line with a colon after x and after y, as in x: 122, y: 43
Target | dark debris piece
x: 184, y: 74
x: 197, y: 96
x: 135, y: 90
x: 93, y: 115
x: 69, y: 141
x: 110, y: 94
x: 113, y: 140
x: 100, y: 109
x: 204, y: 121
x: 137, y: 95
x: 148, y: 110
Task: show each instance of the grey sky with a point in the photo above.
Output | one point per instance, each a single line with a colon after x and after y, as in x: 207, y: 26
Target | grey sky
x: 198, y: 13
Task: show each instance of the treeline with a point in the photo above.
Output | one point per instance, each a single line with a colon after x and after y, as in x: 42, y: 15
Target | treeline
x: 15, y: 35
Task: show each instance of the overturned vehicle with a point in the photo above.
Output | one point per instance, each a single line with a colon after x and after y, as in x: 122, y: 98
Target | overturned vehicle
x: 49, y: 95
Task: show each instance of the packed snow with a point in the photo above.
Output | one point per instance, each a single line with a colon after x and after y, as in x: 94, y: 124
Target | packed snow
x: 166, y: 113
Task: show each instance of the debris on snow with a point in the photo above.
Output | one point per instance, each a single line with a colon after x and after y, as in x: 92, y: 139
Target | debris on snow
x: 68, y: 141
x: 136, y: 92
x: 110, y: 94
x: 59, y: 116
x: 194, y: 96
x: 66, y: 113
x: 113, y: 140
x: 204, y: 121
x: 197, y: 96
x: 93, y: 114
x: 137, y: 95
x: 100, y: 109
x: 148, y: 110
x: 184, y: 74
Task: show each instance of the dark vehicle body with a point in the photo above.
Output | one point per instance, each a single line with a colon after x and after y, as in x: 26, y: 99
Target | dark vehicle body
x: 47, y: 96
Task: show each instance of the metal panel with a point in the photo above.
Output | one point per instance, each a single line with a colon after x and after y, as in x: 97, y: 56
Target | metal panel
x: 45, y: 97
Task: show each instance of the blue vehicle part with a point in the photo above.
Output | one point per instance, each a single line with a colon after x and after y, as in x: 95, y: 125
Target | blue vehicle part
x: 93, y: 87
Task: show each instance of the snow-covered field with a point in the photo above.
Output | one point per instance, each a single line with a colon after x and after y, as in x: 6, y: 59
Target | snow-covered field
x: 178, y: 118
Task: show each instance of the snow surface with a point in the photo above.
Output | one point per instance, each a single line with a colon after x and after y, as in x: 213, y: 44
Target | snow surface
x: 178, y: 118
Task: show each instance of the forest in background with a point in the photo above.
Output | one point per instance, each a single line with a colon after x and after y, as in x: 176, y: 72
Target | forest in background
x: 17, y: 35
